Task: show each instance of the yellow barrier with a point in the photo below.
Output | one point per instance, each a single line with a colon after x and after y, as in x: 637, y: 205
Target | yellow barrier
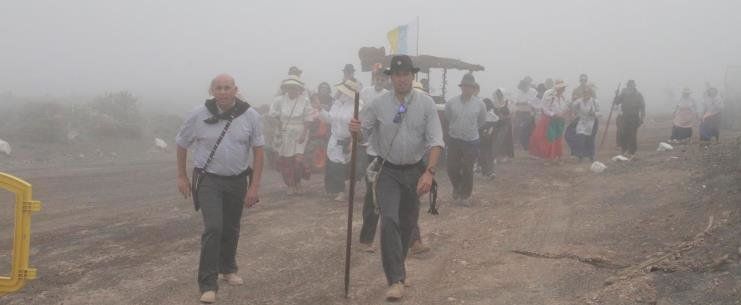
x: 20, y: 272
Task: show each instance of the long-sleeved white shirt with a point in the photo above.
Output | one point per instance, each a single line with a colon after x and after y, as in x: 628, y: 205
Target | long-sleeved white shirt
x: 553, y: 104
x: 526, y: 100
x: 339, y: 117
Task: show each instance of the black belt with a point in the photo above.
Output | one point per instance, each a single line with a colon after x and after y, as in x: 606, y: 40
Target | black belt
x: 403, y: 166
x: 241, y: 175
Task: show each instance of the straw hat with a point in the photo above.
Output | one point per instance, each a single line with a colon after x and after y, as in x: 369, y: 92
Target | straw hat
x: 559, y: 84
x: 292, y: 80
x: 348, y: 87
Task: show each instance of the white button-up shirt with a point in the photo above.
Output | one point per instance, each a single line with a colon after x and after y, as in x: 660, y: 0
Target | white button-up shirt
x: 465, y: 118
x: 527, y: 100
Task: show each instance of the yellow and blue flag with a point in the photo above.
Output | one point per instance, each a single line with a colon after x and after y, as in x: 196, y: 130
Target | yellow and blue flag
x: 404, y: 39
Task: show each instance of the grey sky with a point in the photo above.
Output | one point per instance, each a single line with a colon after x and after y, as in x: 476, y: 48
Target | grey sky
x: 167, y: 51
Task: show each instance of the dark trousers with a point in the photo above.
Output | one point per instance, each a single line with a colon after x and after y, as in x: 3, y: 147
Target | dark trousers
x: 461, y: 157
x: 370, y: 217
x: 619, y: 132
x: 397, y: 198
x: 334, y: 178
x: 629, y: 134
x: 486, y: 153
x: 221, y: 201
x: 524, y: 124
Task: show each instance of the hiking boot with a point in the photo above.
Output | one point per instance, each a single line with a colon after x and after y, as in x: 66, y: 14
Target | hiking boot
x: 208, y: 297
x: 233, y: 279
x: 456, y: 196
x: 465, y: 202
x: 367, y: 248
x: 395, y: 292
x: 418, y: 248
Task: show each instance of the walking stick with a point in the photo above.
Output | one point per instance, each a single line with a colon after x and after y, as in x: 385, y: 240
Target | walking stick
x: 609, y: 117
x: 351, y: 198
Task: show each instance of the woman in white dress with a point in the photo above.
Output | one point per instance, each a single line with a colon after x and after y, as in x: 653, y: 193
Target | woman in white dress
x: 293, y: 112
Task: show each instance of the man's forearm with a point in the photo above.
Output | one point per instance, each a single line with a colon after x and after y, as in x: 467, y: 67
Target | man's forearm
x: 434, y: 157
x: 182, y: 160
x: 257, y: 165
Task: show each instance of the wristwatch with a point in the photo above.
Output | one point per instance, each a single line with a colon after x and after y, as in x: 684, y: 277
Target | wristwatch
x: 432, y: 170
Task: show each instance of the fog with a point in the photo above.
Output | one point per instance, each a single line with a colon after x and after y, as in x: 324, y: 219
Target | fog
x: 167, y: 51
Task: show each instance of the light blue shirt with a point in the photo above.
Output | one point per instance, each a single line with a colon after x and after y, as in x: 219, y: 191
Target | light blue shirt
x: 405, y: 142
x: 234, y: 153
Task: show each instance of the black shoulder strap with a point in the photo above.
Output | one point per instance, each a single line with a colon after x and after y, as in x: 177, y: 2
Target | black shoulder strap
x: 218, y: 141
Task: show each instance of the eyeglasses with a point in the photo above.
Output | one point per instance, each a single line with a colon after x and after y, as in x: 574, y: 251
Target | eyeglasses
x: 400, y: 113
x: 224, y: 88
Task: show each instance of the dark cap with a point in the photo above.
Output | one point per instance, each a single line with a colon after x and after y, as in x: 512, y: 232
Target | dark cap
x: 468, y: 80
x: 401, y: 63
x: 349, y: 68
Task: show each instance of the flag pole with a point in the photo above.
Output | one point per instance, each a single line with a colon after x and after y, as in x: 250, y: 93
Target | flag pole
x: 419, y: 45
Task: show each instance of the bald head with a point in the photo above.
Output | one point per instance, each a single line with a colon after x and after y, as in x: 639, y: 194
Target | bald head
x: 224, y: 90
x: 222, y: 78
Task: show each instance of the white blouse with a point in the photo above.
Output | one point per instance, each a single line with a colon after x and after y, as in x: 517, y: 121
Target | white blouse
x: 552, y: 103
x: 339, y: 117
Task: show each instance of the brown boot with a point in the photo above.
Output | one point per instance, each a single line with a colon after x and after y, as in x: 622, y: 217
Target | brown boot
x: 395, y: 292
x: 367, y: 248
x: 233, y: 279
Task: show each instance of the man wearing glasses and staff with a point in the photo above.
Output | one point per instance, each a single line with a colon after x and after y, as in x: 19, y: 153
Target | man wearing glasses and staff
x: 405, y: 126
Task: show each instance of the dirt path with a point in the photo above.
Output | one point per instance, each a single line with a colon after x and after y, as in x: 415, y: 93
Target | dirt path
x: 119, y: 234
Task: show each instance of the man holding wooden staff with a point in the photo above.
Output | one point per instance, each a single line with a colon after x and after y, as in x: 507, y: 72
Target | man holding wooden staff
x: 405, y: 126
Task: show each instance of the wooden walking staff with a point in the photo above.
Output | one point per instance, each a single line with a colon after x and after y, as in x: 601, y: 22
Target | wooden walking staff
x: 351, y: 197
x: 609, y: 117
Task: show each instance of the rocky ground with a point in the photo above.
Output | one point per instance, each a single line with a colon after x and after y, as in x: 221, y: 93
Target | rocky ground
x: 660, y: 230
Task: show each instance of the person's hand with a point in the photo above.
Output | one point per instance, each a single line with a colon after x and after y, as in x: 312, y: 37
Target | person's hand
x: 252, y: 197
x: 184, y: 186
x: 424, y: 184
x: 355, y: 125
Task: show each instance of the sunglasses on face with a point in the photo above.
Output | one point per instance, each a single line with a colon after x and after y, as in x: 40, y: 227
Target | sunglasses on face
x: 223, y: 88
x: 400, y: 113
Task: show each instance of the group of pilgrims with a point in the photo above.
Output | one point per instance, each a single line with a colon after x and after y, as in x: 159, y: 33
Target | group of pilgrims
x: 402, y: 135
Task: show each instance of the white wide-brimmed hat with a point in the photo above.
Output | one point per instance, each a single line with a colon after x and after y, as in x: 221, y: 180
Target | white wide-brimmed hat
x: 348, y: 87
